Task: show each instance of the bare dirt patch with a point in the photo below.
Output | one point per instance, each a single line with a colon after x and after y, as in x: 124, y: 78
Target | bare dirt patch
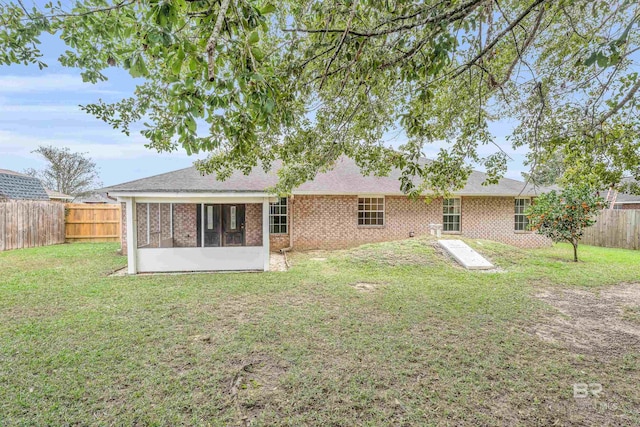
x: 256, y: 385
x: 595, y: 323
x: 366, y: 286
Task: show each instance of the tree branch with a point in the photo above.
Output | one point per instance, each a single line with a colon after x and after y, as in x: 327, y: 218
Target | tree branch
x: 622, y: 103
x: 525, y: 46
x: 212, y: 43
x: 495, y: 41
x: 354, y: 7
x: 464, y: 9
x: 92, y: 11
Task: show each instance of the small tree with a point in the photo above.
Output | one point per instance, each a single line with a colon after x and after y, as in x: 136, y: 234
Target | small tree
x: 68, y: 172
x: 564, y: 216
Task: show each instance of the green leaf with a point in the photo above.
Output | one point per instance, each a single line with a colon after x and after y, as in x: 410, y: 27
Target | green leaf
x: 254, y: 37
x: 178, y: 60
x: 138, y: 67
x: 268, y: 8
x: 190, y: 123
x: 603, y: 61
x: 269, y: 105
x: 257, y: 53
x: 592, y: 59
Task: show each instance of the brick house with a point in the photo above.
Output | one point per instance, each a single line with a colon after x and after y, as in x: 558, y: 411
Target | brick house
x: 186, y: 221
x: 625, y: 200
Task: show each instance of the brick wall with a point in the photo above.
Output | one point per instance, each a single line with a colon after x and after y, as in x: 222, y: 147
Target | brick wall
x: 278, y: 241
x: 185, y: 228
x: 253, y: 224
x: 141, y: 221
x: 629, y: 206
x: 493, y: 218
x: 185, y: 225
x: 123, y: 224
x: 331, y: 222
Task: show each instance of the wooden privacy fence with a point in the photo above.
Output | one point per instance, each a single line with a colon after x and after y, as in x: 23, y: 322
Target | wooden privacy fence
x: 27, y: 224
x: 93, y: 223
x: 615, y: 229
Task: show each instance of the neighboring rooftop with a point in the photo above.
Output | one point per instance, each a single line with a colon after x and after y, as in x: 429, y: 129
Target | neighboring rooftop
x: 625, y: 197
x: 344, y: 178
x: 56, y: 195
x: 18, y: 186
x: 96, y: 198
x: 9, y: 172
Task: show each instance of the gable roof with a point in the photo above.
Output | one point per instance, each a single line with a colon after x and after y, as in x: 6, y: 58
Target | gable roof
x: 344, y: 179
x: 17, y: 186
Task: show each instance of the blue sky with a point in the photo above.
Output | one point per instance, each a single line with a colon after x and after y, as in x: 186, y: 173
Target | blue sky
x: 41, y: 108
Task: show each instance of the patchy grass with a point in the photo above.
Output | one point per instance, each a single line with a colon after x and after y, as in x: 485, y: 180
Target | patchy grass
x: 392, y: 333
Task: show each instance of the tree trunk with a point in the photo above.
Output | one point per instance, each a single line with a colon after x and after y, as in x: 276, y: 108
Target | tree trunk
x: 575, y: 251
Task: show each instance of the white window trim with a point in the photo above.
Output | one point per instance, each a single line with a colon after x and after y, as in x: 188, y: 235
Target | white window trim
x: 459, y: 215
x: 516, y: 215
x: 384, y: 208
x: 272, y: 215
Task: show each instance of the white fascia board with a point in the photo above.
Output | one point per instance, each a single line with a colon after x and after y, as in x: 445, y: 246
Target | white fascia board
x: 514, y: 196
x: 338, y: 193
x: 172, y: 197
x: 258, y: 197
x: 365, y: 194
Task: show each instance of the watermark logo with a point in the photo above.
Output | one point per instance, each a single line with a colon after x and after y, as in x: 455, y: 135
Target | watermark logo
x: 584, y: 390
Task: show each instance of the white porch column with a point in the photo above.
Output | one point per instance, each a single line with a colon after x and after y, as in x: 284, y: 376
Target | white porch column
x: 132, y: 236
x: 265, y: 233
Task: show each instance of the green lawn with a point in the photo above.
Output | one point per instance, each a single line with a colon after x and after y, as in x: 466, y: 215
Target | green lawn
x: 423, y: 342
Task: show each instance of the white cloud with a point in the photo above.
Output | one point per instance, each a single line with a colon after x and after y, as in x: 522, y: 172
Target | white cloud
x: 117, y: 147
x: 40, y: 109
x: 50, y: 83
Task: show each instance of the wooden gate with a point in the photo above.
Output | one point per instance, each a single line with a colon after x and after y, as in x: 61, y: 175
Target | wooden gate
x: 92, y: 222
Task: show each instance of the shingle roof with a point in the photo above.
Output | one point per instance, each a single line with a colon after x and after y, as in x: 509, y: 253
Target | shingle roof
x: 344, y: 178
x: 624, y: 197
x: 53, y: 194
x: 14, y: 185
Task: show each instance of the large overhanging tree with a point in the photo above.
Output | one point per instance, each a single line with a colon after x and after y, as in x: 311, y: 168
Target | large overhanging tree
x: 306, y: 81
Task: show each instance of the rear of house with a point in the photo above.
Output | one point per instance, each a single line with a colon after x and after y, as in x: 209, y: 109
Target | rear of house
x: 184, y: 221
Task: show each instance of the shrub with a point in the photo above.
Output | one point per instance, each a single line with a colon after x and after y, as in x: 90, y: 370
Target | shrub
x: 563, y: 216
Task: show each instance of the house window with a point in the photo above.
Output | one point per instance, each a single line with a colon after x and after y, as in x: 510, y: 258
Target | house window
x: 451, y: 214
x: 278, y: 216
x: 521, y: 220
x: 370, y: 210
